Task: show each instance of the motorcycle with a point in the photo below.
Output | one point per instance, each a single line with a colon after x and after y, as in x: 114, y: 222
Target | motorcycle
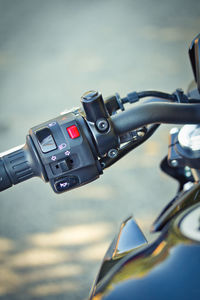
x: 76, y: 147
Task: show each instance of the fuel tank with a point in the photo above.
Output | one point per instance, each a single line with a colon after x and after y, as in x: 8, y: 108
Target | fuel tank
x: 168, y: 268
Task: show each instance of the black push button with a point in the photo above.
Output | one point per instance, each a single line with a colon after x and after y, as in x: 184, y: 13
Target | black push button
x: 46, y: 140
x: 66, y: 183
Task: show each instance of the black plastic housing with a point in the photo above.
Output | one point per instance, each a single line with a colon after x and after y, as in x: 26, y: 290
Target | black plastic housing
x: 94, y: 106
x: 96, y: 113
x: 72, y: 160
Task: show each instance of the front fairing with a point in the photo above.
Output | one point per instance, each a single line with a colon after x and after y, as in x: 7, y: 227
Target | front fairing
x: 169, y: 268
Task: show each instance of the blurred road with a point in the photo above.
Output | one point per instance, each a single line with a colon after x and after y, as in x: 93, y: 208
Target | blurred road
x: 51, y: 52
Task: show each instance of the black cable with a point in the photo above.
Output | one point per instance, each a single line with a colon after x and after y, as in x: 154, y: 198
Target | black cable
x: 156, y: 94
x: 107, y: 162
x: 134, y: 96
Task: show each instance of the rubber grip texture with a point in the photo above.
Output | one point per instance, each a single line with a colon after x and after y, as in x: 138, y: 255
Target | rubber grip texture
x: 5, y: 181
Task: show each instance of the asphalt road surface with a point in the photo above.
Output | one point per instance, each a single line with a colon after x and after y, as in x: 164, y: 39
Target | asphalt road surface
x: 51, y: 52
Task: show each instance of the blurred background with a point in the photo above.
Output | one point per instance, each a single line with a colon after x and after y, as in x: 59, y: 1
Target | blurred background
x: 51, y: 52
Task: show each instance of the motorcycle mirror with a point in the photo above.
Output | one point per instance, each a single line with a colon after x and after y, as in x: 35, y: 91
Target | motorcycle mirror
x: 194, y: 53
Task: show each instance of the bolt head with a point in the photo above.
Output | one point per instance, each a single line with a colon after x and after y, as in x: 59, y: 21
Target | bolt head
x: 141, y: 133
x: 112, y: 153
x: 174, y: 163
x: 102, y: 125
x: 103, y: 165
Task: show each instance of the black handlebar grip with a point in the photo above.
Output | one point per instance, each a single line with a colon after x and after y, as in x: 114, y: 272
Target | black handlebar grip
x: 15, y: 167
x: 19, y: 164
x: 5, y: 181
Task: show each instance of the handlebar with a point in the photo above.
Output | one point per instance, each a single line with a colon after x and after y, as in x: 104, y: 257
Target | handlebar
x: 150, y: 113
x: 73, y: 149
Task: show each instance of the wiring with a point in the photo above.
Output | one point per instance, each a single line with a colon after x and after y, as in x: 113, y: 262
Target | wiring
x: 107, y: 162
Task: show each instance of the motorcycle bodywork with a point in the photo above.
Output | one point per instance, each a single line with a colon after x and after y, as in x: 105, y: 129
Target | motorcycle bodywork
x: 168, y: 268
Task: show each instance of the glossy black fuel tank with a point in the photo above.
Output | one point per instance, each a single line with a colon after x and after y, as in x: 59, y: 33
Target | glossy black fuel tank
x: 167, y: 269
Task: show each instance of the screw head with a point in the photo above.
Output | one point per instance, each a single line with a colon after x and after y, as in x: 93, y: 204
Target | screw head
x: 174, y: 163
x: 103, y: 164
x: 102, y: 124
x: 141, y: 133
x: 112, y: 153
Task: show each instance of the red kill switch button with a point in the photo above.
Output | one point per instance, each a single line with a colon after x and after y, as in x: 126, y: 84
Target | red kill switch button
x: 73, y: 132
